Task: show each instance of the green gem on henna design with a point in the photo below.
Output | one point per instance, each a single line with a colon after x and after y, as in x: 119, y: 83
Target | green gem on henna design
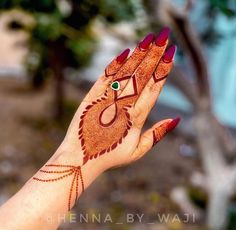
x: 115, y: 85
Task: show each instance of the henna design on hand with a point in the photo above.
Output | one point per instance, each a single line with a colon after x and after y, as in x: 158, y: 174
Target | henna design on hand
x: 105, y: 122
x: 74, y: 171
x: 163, y: 129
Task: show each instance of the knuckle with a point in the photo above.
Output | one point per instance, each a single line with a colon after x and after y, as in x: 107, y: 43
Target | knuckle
x: 147, y: 139
x: 154, y: 88
x: 138, y: 119
x: 105, y: 80
x: 138, y: 112
x: 143, y: 147
x: 149, y: 86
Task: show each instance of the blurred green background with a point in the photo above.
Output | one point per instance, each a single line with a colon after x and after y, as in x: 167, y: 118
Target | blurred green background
x: 51, y: 54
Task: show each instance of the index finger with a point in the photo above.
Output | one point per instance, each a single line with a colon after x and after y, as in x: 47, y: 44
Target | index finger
x: 102, y: 83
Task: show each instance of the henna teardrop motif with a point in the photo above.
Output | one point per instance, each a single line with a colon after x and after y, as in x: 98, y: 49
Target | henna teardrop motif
x: 102, y: 127
x: 108, y: 115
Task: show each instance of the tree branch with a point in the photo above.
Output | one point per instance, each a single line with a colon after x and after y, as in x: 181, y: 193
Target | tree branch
x: 180, y: 81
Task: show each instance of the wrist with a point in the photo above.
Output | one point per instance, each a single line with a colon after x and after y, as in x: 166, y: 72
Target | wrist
x: 54, y: 189
x: 69, y: 154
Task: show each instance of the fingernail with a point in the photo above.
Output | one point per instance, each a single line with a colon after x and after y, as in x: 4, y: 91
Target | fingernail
x: 123, y: 56
x: 162, y: 37
x: 172, y: 125
x: 144, y: 44
x: 169, y: 54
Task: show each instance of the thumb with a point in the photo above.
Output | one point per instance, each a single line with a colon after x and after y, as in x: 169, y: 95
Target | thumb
x: 153, y: 135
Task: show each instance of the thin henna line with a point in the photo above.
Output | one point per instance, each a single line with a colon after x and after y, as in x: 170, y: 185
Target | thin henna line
x: 53, y: 179
x: 77, y: 185
x: 81, y: 179
x: 71, y: 190
x: 64, y: 171
x: 52, y: 165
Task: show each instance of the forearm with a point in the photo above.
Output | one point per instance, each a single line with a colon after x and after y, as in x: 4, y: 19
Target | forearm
x: 42, y: 204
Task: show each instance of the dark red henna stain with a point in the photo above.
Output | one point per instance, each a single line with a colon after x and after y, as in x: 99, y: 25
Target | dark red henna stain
x: 73, y: 170
x: 159, y: 133
x: 164, y: 66
x: 76, y: 187
x: 116, y: 64
x: 163, y: 129
x: 157, y: 79
x: 71, y: 190
x: 96, y: 148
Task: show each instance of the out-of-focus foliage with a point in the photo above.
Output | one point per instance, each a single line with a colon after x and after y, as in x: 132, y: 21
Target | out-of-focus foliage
x: 60, y: 35
x: 210, y: 35
x: 198, y: 197
x: 228, y: 7
x: 66, y: 24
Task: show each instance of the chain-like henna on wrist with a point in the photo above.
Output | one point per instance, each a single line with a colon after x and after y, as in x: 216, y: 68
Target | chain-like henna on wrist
x: 74, y: 171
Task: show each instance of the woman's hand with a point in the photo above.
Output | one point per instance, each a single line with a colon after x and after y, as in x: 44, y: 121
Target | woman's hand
x: 105, y: 132
x: 106, y: 129
x: 107, y: 126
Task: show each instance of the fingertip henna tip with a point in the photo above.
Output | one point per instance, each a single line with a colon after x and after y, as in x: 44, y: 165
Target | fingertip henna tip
x: 169, y: 54
x: 163, y: 36
x: 123, y: 56
x: 144, y: 44
x: 173, y: 124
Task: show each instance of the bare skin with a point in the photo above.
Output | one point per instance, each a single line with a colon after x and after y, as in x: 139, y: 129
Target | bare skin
x: 104, y: 133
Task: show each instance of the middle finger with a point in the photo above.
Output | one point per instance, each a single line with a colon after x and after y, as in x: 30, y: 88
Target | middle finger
x: 130, y: 92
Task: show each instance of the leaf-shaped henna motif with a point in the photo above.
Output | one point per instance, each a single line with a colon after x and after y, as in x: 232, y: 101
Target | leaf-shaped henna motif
x: 99, y: 134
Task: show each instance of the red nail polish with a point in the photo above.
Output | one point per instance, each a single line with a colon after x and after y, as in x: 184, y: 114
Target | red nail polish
x: 169, y: 54
x: 162, y: 37
x: 173, y: 124
x: 144, y: 44
x: 123, y: 56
